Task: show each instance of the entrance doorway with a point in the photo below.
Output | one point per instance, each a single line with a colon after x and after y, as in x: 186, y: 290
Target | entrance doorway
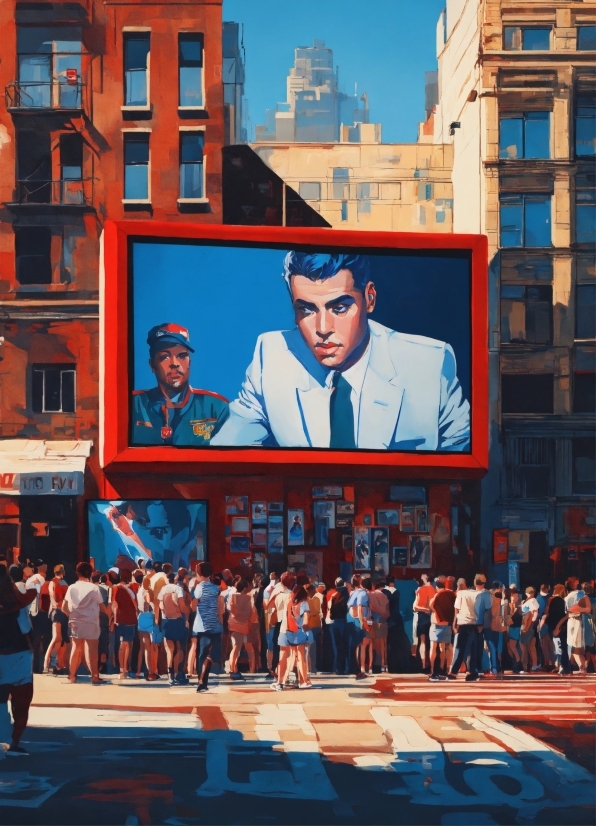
x: 49, y: 531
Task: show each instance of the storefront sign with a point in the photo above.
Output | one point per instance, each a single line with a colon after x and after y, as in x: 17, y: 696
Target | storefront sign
x: 519, y: 546
x: 500, y: 546
x: 42, y: 484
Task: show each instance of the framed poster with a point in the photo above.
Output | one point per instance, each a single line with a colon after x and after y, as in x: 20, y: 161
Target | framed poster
x: 500, y: 545
x: 239, y: 544
x: 325, y: 509
x: 399, y: 556
x: 344, y: 521
x: 388, y: 517
x: 421, y: 519
x: 275, y: 524
x: 237, y: 505
x: 347, y: 542
x: 519, y: 546
x: 295, y: 527
x: 361, y: 541
x: 259, y: 537
x: 259, y: 562
x: 321, y: 531
x: 379, y: 543
x: 327, y: 491
x: 240, y: 524
x: 367, y: 519
x: 275, y: 543
x: 343, y: 508
x: 408, y: 518
x: 259, y: 513
x: 419, y: 551
x: 275, y: 507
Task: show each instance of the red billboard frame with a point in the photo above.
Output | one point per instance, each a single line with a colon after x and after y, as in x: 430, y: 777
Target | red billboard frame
x: 116, y: 454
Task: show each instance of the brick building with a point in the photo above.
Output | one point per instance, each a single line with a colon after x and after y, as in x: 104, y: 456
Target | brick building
x: 112, y: 110
x: 517, y: 98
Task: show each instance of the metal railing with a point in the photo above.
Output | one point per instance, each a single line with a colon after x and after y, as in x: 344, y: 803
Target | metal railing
x: 77, y: 192
x: 52, y: 94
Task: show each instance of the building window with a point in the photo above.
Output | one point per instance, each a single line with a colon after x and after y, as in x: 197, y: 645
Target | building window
x: 527, y: 392
x: 136, y: 65
x: 585, y: 312
x: 526, y: 314
x: 585, y: 126
x: 190, y: 68
x: 584, y: 466
x: 586, y: 38
x: 71, y: 169
x: 529, y: 467
x: 33, y: 255
x: 310, y: 190
x: 516, y: 38
x: 49, y: 67
x: 584, y: 392
x: 54, y: 388
x: 344, y: 210
x: 371, y: 190
x: 191, y: 164
x: 341, y: 184
x: 525, y: 220
x: 585, y: 209
x: 136, y: 166
x: 525, y: 136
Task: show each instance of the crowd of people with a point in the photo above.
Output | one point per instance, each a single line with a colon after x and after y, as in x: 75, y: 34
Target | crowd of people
x: 153, y: 621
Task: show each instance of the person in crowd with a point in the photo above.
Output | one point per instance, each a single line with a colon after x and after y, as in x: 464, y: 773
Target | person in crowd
x: 395, y: 625
x: 527, y: 637
x: 82, y: 604
x: 466, y: 633
x: 16, y: 573
x: 39, y: 613
x: 174, y: 611
x: 358, y: 607
x: 366, y: 623
x: 208, y: 625
x: 103, y: 648
x: 590, y: 620
x: 493, y: 636
x: 315, y: 630
x: 144, y: 628
x: 293, y: 607
x: 275, y: 618
x: 60, y: 642
x: 555, y: 618
x: 124, y: 614
x: 421, y: 628
x: 442, y: 607
x: 514, y: 630
x: 337, y: 612
x: 544, y: 637
x: 379, y: 606
x: 579, y: 608
x: 258, y: 635
x: 482, y: 607
x: 241, y: 609
x: 16, y: 658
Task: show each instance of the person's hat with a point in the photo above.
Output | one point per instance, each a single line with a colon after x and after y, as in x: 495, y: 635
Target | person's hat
x: 162, y: 335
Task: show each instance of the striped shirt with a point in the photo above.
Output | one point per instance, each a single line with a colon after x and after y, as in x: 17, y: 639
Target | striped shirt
x: 207, y: 619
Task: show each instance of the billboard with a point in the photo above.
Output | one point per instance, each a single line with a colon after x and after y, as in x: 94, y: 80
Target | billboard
x: 164, y: 530
x: 297, y: 342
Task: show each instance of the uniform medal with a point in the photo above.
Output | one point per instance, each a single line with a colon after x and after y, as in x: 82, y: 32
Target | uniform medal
x: 166, y: 433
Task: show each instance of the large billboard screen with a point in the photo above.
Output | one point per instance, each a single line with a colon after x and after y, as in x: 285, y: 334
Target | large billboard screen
x: 314, y: 341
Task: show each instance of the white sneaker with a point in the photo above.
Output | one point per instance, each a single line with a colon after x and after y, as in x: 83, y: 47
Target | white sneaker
x: 276, y: 687
x: 306, y: 685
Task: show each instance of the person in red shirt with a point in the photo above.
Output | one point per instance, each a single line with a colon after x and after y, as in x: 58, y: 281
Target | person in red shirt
x: 424, y: 594
x: 124, y: 607
x: 442, y: 607
x: 57, y: 588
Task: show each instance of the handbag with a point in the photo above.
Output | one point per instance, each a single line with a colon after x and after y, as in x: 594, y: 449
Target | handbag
x: 146, y: 621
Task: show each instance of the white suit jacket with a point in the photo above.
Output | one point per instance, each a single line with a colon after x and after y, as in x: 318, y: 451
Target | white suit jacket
x: 411, y: 398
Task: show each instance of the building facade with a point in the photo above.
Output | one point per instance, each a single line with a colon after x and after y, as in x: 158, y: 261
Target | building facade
x: 369, y: 185
x: 517, y: 100
x: 112, y: 110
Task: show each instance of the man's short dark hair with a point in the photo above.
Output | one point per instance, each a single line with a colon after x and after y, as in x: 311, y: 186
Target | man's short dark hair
x: 204, y: 569
x: 440, y: 582
x: 15, y: 572
x: 320, y: 266
x: 167, y: 568
x: 84, y: 569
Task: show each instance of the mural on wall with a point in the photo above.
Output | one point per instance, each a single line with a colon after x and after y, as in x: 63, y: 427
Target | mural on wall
x: 354, y: 349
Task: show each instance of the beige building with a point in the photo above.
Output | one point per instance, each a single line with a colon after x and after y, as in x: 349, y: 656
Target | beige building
x: 369, y: 185
x: 517, y: 102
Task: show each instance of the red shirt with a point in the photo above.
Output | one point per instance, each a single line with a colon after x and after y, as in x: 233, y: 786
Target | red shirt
x: 424, y: 594
x: 127, y: 610
x: 444, y: 607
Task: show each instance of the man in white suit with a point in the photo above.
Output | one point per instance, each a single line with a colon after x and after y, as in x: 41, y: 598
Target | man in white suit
x: 341, y: 380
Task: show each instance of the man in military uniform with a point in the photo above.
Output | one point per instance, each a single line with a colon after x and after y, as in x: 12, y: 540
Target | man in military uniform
x: 174, y: 413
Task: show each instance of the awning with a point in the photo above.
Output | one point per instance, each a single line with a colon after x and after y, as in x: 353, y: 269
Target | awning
x: 34, y: 467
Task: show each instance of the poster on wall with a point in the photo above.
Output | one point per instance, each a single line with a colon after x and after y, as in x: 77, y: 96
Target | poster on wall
x: 389, y: 516
x: 361, y: 539
x: 419, y: 551
x: 321, y: 531
x: 253, y: 390
x: 275, y: 507
x: 259, y: 537
x: 327, y: 492
x: 239, y: 544
x: 240, y: 524
x: 408, y: 518
x: 164, y: 530
x: 237, y: 505
x: 421, y: 520
x: 295, y: 527
x: 259, y: 562
x: 519, y: 546
x: 500, y: 546
x: 309, y: 562
x: 399, y: 556
x: 259, y: 513
x: 275, y: 543
x: 325, y: 510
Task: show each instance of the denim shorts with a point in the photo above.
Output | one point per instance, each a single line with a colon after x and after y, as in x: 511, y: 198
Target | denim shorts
x: 440, y: 633
x: 175, y: 630
x: 125, y: 633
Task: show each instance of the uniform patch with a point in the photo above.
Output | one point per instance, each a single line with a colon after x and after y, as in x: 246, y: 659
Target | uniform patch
x: 143, y: 424
x: 203, y: 427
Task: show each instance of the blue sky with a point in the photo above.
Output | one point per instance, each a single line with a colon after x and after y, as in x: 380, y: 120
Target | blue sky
x: 383, y: 45
x: 228, y: 296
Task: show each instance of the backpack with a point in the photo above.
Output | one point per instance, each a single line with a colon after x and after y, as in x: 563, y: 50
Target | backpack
x: 292, y: 614
x: 338, y: 608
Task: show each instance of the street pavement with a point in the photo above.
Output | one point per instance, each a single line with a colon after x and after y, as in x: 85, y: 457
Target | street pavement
x: 391, y: 749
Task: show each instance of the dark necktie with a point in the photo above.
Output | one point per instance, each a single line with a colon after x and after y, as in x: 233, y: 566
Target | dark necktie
x: 341, y: 414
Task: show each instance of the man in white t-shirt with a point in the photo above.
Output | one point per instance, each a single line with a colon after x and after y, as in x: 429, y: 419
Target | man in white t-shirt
x: 464, y: 644
x: 82, y: 605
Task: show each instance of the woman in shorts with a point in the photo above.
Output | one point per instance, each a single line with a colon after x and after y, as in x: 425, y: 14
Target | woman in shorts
x: 293, y: 609
x: 60, y: 638
x: 241, y: 610
x: 515, y: 612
